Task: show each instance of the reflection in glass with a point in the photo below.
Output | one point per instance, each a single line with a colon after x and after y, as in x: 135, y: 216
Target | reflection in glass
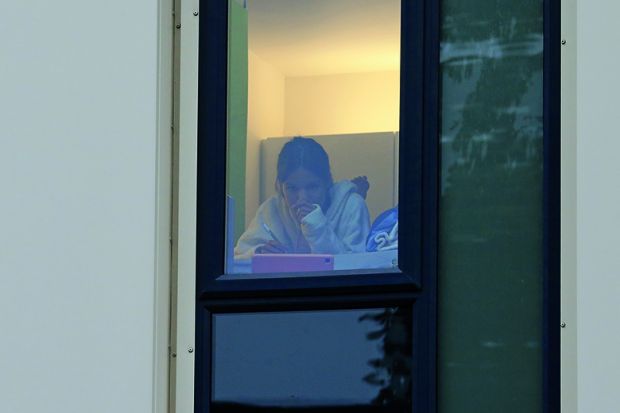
x: 491, y: 207
x: 313, y: 119
x: 323, y: 361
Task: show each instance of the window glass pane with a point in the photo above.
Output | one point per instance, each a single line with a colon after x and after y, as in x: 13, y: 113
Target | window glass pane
x: 332, y: 361
x: 490, y: 300
x: 313, y: 116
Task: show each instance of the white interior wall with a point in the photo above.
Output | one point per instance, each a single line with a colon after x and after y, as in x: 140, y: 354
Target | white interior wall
x: 342, y: 103
x: 80, y: 216
x: 598, y: 205
x: 265, y: 119
x: 311, y: 106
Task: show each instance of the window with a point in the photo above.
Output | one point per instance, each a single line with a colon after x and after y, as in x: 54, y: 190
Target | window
x: 335, y: 360
x: 491, y: 214
x: 313, y: 130
x: 400, y: 293
x: 289, y: 302
x: 329, y: 157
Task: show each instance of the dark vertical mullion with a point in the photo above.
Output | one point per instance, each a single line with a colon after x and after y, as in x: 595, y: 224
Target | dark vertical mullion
x: 411, y: 135
x: 410, y: 139
x: 212, y: 118
x: 204, y: 362
x: 552, y: 206
x: 430, y: 206
x: 211, y: 170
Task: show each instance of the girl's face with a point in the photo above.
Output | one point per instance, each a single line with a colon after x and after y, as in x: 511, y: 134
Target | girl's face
x: 303, y: 187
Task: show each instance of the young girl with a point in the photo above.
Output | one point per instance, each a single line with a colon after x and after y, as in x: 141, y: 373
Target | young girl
x: 310, y: 213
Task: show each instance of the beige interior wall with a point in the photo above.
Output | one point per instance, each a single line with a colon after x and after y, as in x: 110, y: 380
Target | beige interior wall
x: 265, y: 119
x: 354, y: 105
x: 342, y: 103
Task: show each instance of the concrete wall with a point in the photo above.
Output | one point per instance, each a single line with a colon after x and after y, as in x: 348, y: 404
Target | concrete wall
x: 598, y: 205
x: 82, y: 318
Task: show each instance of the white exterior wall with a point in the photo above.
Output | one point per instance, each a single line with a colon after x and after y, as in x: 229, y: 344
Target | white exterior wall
x: 84, y: 168
x: 598, y: 205
x: 84, y: 222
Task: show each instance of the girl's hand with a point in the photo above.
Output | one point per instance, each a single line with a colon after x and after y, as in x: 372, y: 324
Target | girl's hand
x: 303, y: 209
x: 271, y: 247
x: 361, y: 185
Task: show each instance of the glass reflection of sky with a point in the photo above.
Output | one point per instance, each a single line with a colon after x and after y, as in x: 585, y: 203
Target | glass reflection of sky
x: 294, y: 358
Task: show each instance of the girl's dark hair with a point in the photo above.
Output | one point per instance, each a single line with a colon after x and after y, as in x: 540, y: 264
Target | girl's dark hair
x: 305, y: 153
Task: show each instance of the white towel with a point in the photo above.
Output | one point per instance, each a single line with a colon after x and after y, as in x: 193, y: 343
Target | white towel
x: 387, y: 240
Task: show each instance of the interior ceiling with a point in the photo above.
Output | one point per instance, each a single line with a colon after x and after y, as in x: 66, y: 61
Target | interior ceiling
x: 318, y: 37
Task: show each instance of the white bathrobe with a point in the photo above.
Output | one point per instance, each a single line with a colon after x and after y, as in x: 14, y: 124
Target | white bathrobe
x: 342, y: 229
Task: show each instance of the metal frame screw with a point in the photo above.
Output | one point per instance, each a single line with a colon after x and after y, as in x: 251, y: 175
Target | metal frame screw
x: 563, y: 41
x: 190, y: 350
x: 178, y: 26
x: 195, y: 13
x: 563, y: 325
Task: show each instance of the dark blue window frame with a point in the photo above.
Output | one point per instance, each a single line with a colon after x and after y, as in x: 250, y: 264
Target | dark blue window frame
x: 552, y: 206
x: 416, y: 283
x: 418, y: 141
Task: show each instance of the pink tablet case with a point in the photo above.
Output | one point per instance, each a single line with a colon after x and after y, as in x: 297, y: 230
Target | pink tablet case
x: 274, y: 263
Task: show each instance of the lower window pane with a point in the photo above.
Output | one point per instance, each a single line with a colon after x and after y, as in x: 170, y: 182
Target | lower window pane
x: 336, y: 361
